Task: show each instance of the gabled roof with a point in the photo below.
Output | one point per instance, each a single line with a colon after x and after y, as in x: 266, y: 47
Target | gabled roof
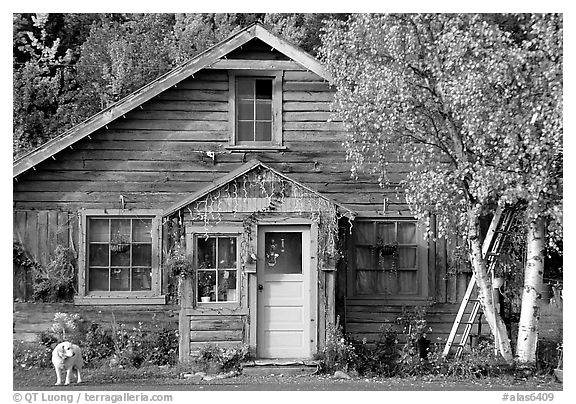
x: 164, y: 82
x: 240, y: 171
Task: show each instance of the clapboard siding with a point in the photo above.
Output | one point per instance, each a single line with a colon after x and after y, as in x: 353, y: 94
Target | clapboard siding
x: 368, y: 321
x: 40, y: 231
x: 33, y: 318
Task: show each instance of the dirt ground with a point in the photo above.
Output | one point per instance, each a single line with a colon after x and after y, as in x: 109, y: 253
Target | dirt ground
x: 124, y: 380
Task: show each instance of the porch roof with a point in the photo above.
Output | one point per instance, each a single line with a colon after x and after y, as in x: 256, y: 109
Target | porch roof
x: 245, y: 168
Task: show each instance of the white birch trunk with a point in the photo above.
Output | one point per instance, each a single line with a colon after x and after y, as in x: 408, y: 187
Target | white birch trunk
x: 485, y: 296
x: 533, y: 277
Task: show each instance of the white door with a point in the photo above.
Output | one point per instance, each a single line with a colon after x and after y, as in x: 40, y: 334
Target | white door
x: 283, y: 292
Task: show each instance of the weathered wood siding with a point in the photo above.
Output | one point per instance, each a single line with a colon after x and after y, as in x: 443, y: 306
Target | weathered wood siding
x: 40, y: 232
x: 32, y: 318
x: 160, y: 153
x: 156, y: 155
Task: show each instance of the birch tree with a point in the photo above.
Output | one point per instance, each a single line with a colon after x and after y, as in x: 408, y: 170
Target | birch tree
x: 441, y: 93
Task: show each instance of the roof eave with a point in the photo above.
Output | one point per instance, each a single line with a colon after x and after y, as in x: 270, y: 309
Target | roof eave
x: 164, y: 82
x: 232, y: 175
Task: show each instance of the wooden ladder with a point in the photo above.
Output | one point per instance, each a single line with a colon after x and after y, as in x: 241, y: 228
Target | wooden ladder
x: 491, y: 248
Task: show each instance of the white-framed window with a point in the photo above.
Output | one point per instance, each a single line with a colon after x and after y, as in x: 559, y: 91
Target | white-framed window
x: 217, y: 268
x: 119, y: 256
x: 255, y: 110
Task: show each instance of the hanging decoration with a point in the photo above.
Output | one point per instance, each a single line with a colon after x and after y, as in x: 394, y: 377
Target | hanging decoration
x: 258, y: 194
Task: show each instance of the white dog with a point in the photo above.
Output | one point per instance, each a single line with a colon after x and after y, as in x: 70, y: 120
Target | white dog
x: 67, y: 356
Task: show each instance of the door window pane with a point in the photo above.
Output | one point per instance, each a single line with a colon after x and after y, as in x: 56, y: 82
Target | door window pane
x: 283, y: 252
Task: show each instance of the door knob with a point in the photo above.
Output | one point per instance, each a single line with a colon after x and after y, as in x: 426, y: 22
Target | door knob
x: 260, y: 287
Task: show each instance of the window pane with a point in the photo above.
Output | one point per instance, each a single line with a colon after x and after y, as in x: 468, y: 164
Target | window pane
x: 283, y: 252
x: 98, y: 255
x: 142, y: 255
x: 245, y: 110
x: 406, y: 257
x: 406, y: 233
x: 98, y: 230
x: 263, y: 131
x: 141, y: 231
x: 365, y: 258
x: 207, y: 252
x: 364, y: 232
x: 386, y: 232
x: 227, y: 286
x: 120, y: 279
x: 264, y: 89
x: 206, y: 285
x: 246, y: 131
x: 386, y: 262
x: 366, y: 282
x: 245, y: 88
x: 226, y: 252
x: 141, y: 279
x: 120, y: 255
x: 120, y: 231
x: 98, y: 279
x: 264, y: 110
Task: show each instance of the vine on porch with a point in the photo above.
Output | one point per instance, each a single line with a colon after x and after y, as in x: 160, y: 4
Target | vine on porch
x: 261, y: 192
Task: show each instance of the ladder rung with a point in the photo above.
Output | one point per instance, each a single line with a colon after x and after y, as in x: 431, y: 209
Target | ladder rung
x: 492, y: 254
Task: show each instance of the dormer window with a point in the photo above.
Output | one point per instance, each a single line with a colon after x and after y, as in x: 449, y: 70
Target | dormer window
x: 255, y: 107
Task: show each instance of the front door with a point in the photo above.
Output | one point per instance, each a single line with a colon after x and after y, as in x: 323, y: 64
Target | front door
x: 284, y: 292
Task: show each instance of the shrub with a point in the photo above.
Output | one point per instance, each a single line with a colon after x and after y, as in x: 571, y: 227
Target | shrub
x: 338, y: 353
x: 97, y: 344
x: 31, y: 355
x: 227, y: 359
x: 413, y: 357
x: 475, y: 363
x: 380, y: 359
x: 56, y: 281
x: 133, y: 348
x: 547, y: 355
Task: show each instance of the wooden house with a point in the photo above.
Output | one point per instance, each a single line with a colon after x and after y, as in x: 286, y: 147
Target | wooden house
x: 232, y: 155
